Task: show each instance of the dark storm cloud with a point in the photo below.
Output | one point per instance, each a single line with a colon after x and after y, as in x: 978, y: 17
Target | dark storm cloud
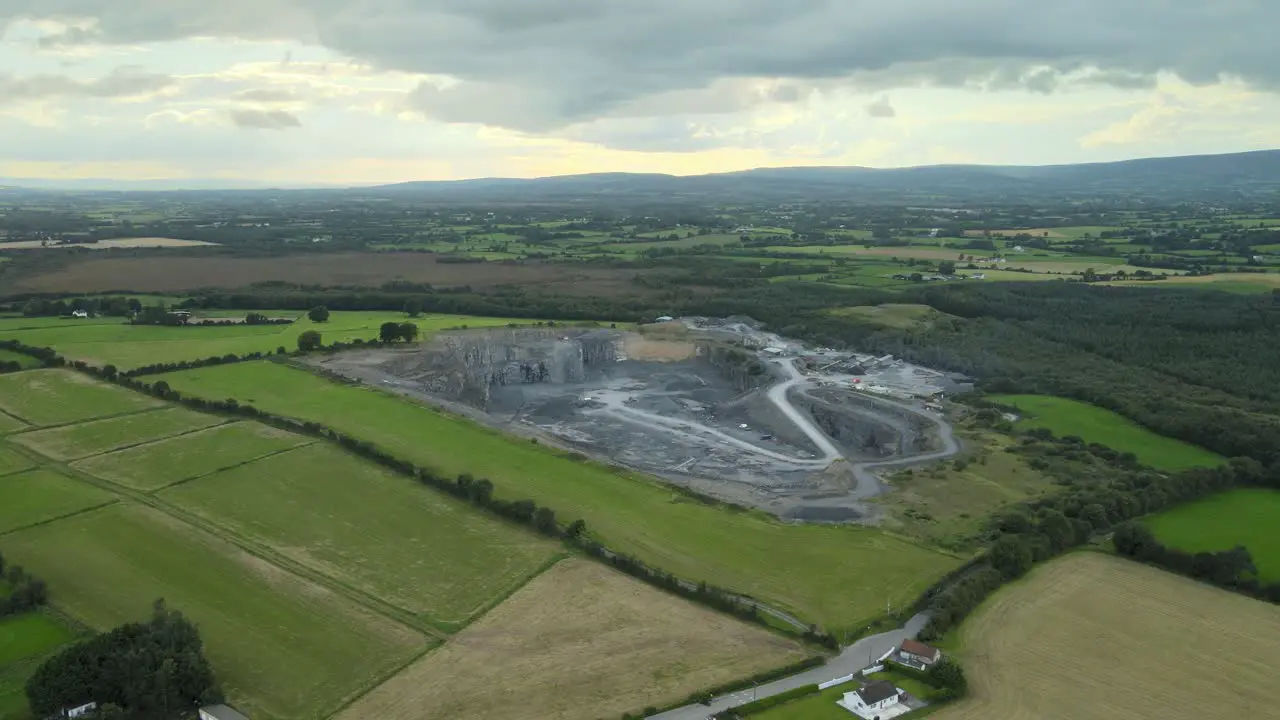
x: 541, y: 64
x: 265, y: 119
x: 123, y: 82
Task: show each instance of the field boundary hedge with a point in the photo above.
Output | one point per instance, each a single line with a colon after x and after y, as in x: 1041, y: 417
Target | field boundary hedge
x: 477, y: 492
x: 1227, y: 569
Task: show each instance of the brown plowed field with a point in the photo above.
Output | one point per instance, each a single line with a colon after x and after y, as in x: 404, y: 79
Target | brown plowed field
x: 1092, y: 636
x: 580, y: 641
x: 175, y: 274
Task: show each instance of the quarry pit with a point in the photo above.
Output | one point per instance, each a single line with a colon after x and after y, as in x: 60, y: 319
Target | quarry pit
x: 718, y: 406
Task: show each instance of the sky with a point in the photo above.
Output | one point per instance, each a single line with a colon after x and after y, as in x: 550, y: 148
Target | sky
x: 356, y: 92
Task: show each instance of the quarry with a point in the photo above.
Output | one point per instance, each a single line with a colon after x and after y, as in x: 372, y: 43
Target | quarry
x: 719, y: 406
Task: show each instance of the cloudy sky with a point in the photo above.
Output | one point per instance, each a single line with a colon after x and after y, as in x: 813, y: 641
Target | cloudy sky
x: 298, y: 92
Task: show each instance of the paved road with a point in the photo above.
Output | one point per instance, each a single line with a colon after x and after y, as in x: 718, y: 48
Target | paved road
x: 852, y: 659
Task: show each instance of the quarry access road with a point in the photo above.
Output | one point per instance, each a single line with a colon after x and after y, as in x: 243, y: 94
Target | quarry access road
x: 869, y: 483
x: 851, y: 660
x: 778, y: 395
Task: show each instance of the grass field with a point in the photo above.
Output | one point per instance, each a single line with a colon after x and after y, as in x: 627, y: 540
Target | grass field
x: 1246, y: 517
x: 1093, y: 636
x: 12, y: 461
x: 894, y: 315
x: 283, y: 648
x: 839, y: 577
x: 25, y: 640
x: 1227, y: 282
x: 51, y: 397
x: 128, y: 346
x: 25, y: 361
x: 10, y: 424
x: 36, y: 496
x: 71, y: 442
x: 1096, y: 425
x: 821, y: 706
x: 387, y: 535
x: 580, y: 641
x: 158, y: 464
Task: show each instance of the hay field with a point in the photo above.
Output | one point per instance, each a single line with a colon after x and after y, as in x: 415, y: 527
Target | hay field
x: 351, y: 520
x: 71, y: 442
x: 154, y: 465
x: 840, y: 577
x: 580, y: 641
x: 1248, y: 516
x: 52, y: 397
x: 1097, y: 425
x: 1093, y: 636
x: 284, y: 648
x: 37, y: 496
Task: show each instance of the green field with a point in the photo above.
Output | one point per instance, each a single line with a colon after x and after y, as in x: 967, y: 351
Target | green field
x: 25, y: 361
x: 1096, y: 425
x: 24, y: 642
x: 158, y: 464
x: 12, y: 461
x: 10, y: 424
x: 821, y: 706
x: 840, y: 577
x: 71, y: 442
x: 1247, y: 517
x: 52, y: 397
x: 128, y: 346
x: 37, y: 496
x: 386, y: 535
x: 282, y: 648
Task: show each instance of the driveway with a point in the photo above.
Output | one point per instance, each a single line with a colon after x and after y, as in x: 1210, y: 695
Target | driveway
x: 852, y: 659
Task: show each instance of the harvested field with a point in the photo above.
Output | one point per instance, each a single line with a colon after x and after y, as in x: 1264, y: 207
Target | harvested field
x: 51, y: 397
x: 142, y: 242
x: 353, y: 521
x: 580, y: 641
x: 283, y: 648
x: 1093, y: 636
x: 158, y: 464
x: 37, y: 496
x: 71, y: 442
x: 169, y: 274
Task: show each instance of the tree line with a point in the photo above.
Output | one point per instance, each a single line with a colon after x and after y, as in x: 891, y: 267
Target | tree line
x: 152, y: 669
x: 1231, y: 569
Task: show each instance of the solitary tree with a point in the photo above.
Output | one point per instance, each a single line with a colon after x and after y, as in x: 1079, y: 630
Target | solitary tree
x: 389, y: 332
x: 413, y: 307
x: 309, y: 340
x: 319, y: 314
x: 408, y: 332
x: 947, y: 268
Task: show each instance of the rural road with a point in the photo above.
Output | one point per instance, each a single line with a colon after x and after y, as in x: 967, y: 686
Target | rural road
x: 869, y: 484
x: 778, y: 394
x: 852, y: 659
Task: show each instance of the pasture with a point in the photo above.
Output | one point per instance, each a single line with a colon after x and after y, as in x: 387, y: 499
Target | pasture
x: 283, y: 648
x: 1094, y: 636
x: 1095, y: 425
x: 580, y: 641
x: 25, y: 640
x: 12, y: 462
x: 159, y: 464
x: 70, y: 442
x: 839, y: 577
x: 52, y: 397
x: 1248, y: 516
x: 38, y: 496
x: 26, y: 361
x: 128, y: 346
x: 9, y: 424
x: 384, y: 534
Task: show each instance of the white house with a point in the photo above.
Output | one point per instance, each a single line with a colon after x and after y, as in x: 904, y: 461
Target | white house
x: 665, y: 318
x: 220, y: 712
x: 917, y: 653
x: 80, y: 711
x: 79, y: 314
x: 878, y: 700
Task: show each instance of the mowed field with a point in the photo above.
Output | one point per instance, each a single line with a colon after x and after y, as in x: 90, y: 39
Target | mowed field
x: 1248, y: 517
x: 70, y: 442
x: 1096, y: 425
x: 173, y: 274
x: 356, y: 523
x: 839, y: 577
x: 128, y: 346
x: 1094, y: 636
x: 52, y: 397
x: 581, y: 641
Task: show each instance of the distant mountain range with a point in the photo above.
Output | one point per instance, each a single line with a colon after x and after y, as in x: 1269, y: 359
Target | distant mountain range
x: 1198, y: 177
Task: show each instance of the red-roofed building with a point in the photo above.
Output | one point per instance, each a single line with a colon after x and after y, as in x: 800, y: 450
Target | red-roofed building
x: 917, y: 652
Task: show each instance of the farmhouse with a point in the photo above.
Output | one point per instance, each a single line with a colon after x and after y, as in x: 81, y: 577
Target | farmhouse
x: 916, y: 653
x: 879, y: 700
x: 220, y: 712
x: 79, y: 314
